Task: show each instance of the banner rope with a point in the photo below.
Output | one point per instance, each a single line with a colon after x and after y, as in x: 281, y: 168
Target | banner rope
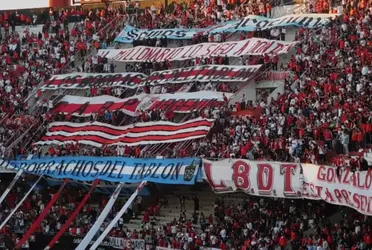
x: 73, y: 216
x: 118, y: 215
x: 94, y: 229
x: 6, y: 192
x: 20, y: 203
x: 41, y: 217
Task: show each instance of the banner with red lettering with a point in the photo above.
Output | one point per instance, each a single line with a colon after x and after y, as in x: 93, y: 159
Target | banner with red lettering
x: 185, y: 102
x: 253, y: 46
x: 338, y: 186
x: 143, y: 133
x: 179, y: 102
x: 261, y: 178
x: 203, y: 73
x: 91, y: 80
x: 273, y: 76
x: 85, y: 106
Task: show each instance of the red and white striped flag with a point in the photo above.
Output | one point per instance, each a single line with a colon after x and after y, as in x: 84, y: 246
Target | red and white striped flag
x: 98, y: 134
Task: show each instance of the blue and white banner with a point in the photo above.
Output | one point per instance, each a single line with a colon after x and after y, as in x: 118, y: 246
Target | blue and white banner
x: 253, y: 23
x: 115, y: 169
x: 247, y: 24
x: 129, y: 34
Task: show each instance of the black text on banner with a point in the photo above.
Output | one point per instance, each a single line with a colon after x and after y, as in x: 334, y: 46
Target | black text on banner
x: 253, y: 46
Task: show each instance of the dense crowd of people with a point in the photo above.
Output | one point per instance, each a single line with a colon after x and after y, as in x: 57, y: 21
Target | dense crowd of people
x: 250, y: 223
x: 257, y: 223
x: 331, y: 85
x: 28, y: 59
x: 326, y: 106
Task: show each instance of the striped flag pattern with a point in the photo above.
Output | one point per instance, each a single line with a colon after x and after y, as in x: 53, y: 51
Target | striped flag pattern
x: 98, y: 134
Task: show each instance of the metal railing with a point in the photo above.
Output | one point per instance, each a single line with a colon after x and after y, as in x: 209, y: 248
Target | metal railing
x: 16, y: 141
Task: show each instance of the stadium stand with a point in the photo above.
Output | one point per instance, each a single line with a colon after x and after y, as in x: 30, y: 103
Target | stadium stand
x: 322, y: 115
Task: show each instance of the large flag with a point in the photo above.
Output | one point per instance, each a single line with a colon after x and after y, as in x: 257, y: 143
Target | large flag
x: 98, y: 134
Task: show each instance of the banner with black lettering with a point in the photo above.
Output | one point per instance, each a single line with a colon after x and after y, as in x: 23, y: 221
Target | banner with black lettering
x: 129, y: 34
x: 253, y: 23
x: 203, y: 73
x: 115, y: 169
x: 180, y: 102
x: 253, y: 46
x: 249, y: 23
x: 98, y: 134
x: 90, y: 80
x: 261, y: 178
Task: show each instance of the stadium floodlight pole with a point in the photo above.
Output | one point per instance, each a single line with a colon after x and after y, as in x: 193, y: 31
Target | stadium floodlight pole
x: 96, y: 226
x: 20, y: 203
x: 118, y: 215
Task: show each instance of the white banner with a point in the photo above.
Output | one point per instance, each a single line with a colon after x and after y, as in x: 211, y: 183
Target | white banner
x: 261, y: 178
x: 202, y: 73
x: 118, y: 216
x: 94, y: 229
x: 253, y: 23
x: 121, y: 243
x: 253, y: 46
x: 135, y: 244
x: 340, y: 187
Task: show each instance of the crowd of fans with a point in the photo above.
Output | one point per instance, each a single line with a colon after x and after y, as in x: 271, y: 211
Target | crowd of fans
x: 325, y: 107
x: 248, y: 223
x: 257, y: 223
x: 28, y: 59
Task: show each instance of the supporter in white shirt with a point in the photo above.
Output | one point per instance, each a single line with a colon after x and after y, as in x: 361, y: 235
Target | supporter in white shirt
x: 95, y: 60
x: 8, y: 88
x: 223, y: 233
x: 274, y: 33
